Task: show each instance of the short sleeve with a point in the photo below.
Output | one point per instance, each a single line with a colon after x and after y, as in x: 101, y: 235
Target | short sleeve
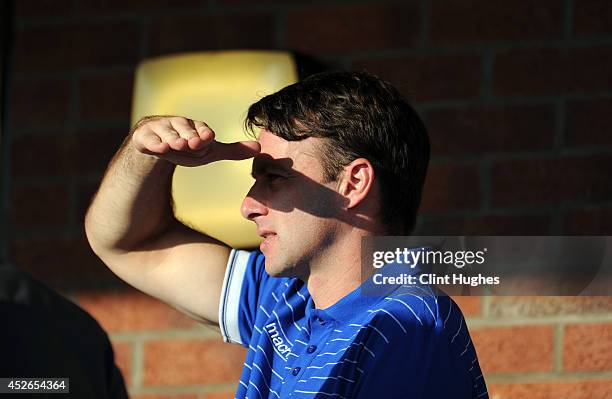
x: 243, y: 287
x: 409, y: 360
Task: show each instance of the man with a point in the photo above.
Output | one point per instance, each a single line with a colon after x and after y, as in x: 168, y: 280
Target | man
x: 46, y: 335
x: 340, y: 156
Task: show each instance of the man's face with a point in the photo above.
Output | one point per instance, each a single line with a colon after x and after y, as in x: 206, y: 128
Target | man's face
x: 292, y: 207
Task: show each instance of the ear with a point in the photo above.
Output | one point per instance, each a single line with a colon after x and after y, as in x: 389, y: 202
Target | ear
x: 356, y: 182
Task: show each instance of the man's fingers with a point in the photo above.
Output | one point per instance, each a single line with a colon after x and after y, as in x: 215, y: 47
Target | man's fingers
x: 198, y: 134
x: 160, y: 148
x: 234, y: 151
x: 196, y: 144
x: 170, y: 136
x: 183, y: 127
x: 148, y: 141
x: 187, y: 142
x: 204, y: 131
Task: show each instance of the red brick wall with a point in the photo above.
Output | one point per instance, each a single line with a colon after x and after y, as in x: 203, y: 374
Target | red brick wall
x: 516, y: 96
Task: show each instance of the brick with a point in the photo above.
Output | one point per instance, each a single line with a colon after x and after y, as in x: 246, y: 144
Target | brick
x: 137, y: 7
x: 354, y: 27
x: 131, y: 310
x: 42, y: 8
x: 183, y: 362
x: 168, y: 396
x: 104, y: 143
x: 519, y: 349
x: 43, y: 155
x: 64, y: 155
x: 588, y: 221
x: 587, y: 347
x: 587, y: 123
x: 262, y: 2
x: 212, y: 32
x: 123, y: 360
x: 429, y: 77
x: 61, y: 48
x: 545, y: 181
x: 547, y: 71
x: 40, y: 103
x: 451, y: 187
x: 220, y: 395
x: 490, y: 129
x: 106, y: 97
x: 537, y: 306
x: 95, y: 148
x: 470, y: 305
x: 84, y: 196
x: 40, y: 206
x: 60, y: 261
x: 556, y: 389
x: 486, y: 225
x: 458, y: 21
x: 592, y: 17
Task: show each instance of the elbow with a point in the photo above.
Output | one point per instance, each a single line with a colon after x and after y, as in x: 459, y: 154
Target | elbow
x: 99, y: 240
x: 91, y: 235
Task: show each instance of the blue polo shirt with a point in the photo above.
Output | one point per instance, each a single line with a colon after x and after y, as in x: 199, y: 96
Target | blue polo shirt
x: 407, y: 342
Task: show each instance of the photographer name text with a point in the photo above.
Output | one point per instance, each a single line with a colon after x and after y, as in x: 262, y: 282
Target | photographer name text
x: 434, y: 279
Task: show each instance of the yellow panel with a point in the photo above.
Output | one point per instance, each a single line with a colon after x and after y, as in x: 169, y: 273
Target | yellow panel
x: 217, y: 88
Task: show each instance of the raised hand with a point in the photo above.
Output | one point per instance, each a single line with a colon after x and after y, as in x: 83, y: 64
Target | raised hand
x: 186, y: 142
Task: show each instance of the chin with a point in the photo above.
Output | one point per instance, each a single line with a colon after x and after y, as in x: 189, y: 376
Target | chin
x: 271, y: 265
x: 277, y: 269
x: 273, y: 272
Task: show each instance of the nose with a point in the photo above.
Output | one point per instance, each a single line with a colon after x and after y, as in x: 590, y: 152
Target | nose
x: 251, y: 207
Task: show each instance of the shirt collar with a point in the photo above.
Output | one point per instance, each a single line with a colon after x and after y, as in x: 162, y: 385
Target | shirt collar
x: 362, y: 298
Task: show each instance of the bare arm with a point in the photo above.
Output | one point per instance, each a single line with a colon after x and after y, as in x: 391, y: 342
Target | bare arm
x: 131, y: 227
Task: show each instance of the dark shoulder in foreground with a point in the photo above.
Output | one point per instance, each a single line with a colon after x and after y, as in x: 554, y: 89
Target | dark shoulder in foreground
x: 49, y: 336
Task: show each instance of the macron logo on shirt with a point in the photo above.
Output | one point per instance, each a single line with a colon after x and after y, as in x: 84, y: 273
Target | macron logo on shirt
x: 281, y: 348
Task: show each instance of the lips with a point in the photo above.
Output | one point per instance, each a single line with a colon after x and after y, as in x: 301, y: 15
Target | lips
x: 265, y: 233
x: 268, y: 236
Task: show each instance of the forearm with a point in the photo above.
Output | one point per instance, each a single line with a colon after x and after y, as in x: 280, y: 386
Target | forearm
x: 133, y: 203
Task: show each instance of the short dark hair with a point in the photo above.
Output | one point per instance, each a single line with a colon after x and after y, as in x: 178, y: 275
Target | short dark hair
x: 361, y: 116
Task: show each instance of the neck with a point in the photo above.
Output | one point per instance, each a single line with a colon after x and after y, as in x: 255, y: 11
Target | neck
x: 336, y: 272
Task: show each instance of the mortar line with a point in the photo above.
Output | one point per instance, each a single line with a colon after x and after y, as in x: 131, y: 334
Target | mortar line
x: 558, y: 347
x: 183, y: 389
x: 425, y: 24
x: 486, y: 187
x: 568, y: 19
x: 189, y: 333
x: 280, y: 27
x: 485, y: 302
x: 527, y: 377
x: 488, y: 71
x: 137, y: 364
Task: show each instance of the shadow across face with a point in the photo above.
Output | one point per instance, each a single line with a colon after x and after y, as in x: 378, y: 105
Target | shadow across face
x: 281, y: 187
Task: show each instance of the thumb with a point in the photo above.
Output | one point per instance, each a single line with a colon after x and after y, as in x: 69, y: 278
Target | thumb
x: 234, y: 151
